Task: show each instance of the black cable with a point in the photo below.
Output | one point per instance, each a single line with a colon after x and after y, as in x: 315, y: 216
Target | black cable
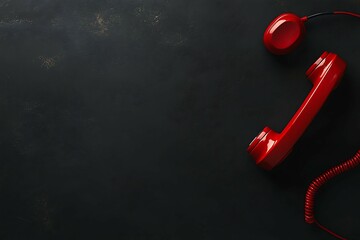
x: 320, y: 14
x: 352, y: 14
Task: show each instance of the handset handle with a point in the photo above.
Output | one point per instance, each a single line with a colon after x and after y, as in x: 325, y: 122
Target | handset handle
x: 270, y: 148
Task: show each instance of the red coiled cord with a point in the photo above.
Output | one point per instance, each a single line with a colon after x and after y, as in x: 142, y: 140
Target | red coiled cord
x: 321, y: 180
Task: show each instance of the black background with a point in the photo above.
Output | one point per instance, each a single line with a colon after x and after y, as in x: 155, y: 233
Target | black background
x: 130, y: 120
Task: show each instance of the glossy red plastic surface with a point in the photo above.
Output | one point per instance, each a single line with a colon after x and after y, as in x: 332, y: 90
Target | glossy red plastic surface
x: 284, y: 33
x: 269, y: 148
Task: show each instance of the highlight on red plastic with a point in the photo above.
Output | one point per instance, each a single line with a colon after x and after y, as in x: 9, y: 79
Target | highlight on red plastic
x: 284, y: 33
x: 270, y: 148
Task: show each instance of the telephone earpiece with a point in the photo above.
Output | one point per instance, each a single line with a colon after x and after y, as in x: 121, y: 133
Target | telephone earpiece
x: 269, y: 148
x: 287, y: 31
x: 284, y: 33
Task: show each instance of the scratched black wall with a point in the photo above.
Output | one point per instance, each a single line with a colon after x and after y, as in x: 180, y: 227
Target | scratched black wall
x: 130, y: 120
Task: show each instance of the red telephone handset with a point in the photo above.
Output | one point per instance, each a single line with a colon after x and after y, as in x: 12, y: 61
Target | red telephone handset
x: 270, y: 148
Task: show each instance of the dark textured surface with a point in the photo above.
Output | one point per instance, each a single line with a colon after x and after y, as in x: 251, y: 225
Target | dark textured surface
x: 130, y: 120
